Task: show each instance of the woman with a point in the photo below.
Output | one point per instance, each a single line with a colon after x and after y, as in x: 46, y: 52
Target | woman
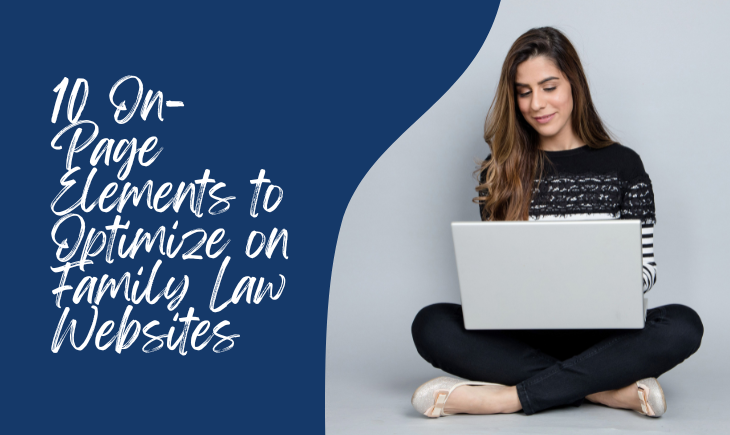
x: 552, y: 158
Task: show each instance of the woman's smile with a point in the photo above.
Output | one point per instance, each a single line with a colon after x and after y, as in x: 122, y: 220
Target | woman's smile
x: 544, y: 119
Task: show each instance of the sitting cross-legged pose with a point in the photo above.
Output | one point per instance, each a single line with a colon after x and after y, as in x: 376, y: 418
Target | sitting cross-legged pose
x: 552, y: 158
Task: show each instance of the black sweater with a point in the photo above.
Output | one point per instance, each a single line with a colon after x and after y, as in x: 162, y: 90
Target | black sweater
x: 589, y: 183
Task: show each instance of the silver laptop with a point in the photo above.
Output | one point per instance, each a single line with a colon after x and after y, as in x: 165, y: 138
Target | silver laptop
x: 550, y: 274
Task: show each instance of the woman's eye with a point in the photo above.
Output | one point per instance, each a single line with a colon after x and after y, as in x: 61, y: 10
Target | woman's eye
x: 524, y: 94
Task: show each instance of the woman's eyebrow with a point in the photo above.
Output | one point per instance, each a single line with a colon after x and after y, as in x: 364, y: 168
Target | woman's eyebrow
x: 541, y: 82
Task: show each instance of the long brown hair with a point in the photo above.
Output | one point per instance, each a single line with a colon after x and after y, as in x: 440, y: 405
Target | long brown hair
x: 506, y: 180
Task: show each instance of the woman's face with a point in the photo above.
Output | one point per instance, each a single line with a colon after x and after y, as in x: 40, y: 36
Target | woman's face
x: 544, y: 97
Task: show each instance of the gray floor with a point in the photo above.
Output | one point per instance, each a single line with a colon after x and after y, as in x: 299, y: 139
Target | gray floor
x: 695, y: 390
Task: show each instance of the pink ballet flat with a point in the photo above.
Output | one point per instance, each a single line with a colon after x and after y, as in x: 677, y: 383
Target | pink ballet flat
x: 430, y: 398
x: 652, y: 399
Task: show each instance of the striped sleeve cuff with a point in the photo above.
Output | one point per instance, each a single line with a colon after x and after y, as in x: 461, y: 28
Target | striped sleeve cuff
x: 647, y: 250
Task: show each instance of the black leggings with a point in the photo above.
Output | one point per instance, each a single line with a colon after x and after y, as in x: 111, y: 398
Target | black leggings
x: 554, y: 368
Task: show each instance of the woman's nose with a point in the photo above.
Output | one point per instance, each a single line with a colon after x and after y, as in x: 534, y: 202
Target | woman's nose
x: 537, y: 102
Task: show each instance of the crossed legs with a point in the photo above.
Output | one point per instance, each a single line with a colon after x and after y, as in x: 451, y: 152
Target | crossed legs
x: 550, y: 368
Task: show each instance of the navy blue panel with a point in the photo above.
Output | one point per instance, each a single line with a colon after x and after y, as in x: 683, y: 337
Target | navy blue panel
x: 313, y: 94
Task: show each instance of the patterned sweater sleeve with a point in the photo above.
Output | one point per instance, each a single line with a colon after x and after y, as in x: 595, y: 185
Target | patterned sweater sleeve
x: 638, y: 203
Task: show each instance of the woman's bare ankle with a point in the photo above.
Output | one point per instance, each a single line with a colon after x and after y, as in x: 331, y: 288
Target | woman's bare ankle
x: 597, y: 397
x: 623, y: 398
x: 511, y: 402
